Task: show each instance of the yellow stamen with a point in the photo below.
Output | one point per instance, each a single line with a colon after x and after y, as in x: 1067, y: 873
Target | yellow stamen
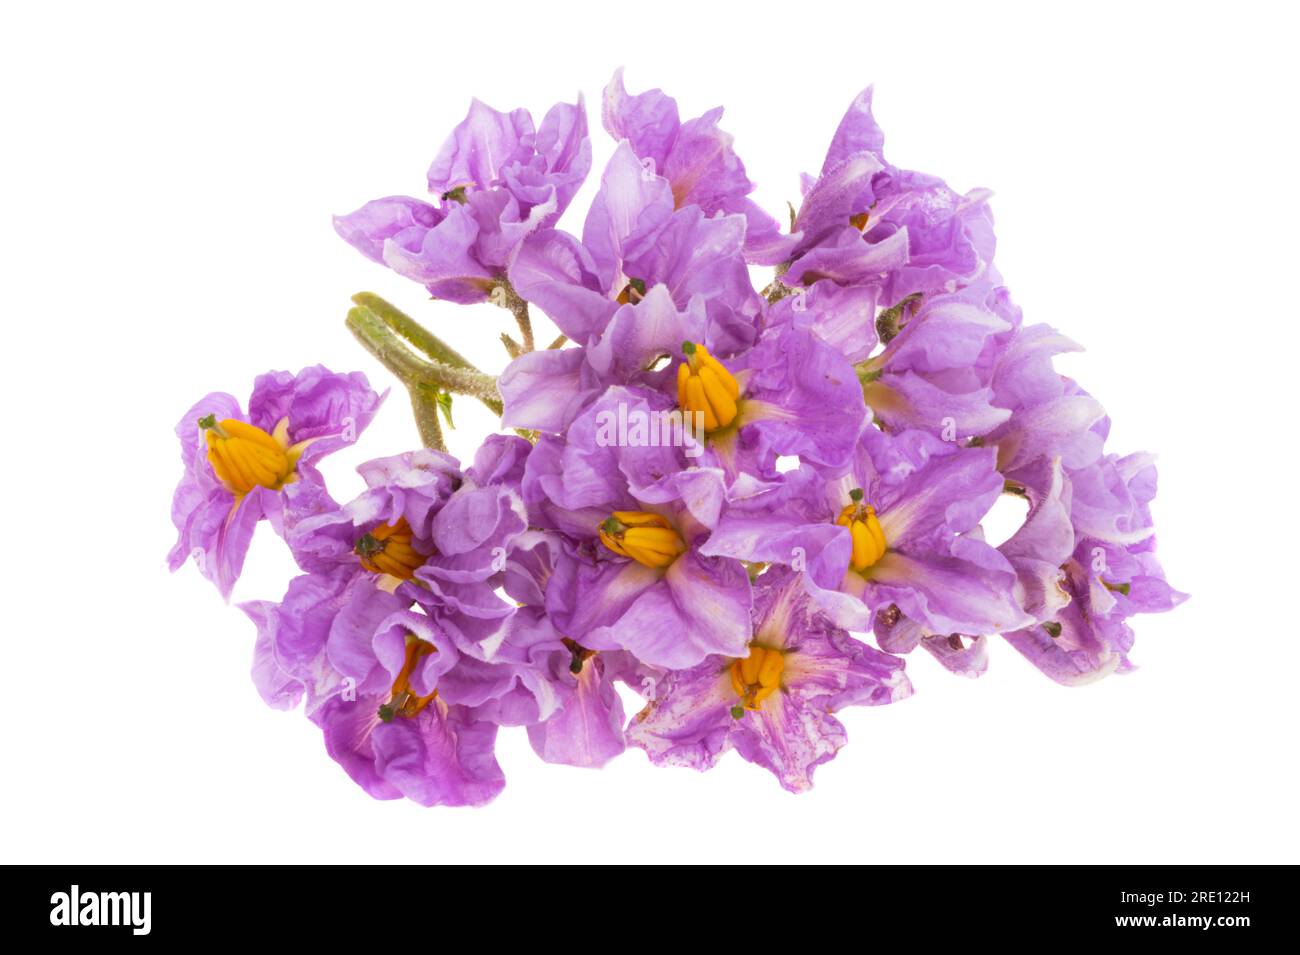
x: 403, y: 702
x: 388, y: 550
x: 704, y: 385
x: 645, y: 537
x: 868, y: 536
x: 757, y: 676
x: 859, y: 221
x: 243, y: 456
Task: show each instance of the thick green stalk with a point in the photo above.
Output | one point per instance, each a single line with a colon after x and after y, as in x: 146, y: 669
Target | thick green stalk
x: 424, y: 379
x: 377, y: 339
x: 424, y: 402
x: 411, y: 330
x: 424, y: 341
x: 398, y: 358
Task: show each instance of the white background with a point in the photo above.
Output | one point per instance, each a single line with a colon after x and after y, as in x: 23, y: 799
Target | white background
x: 168, y: 176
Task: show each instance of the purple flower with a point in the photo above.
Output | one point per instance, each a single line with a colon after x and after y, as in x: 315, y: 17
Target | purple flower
x: 546, y: 390
x: 775, y: 703
x: 410, y: 727
x: 844, y: 317
x: 241, y: 468
x: 471, y: 539
x: 1111, y: 575
x: 797, y: 396
x: 696, y: 159
x: 937, y: 371
x: 442, y: 756
x: 715, y: 486
x: 631, y: 574
x: 358, y: 556
x: 404, y: 708
x: 1043, y: 543
x: 425, y: 533
x: 478, y: 585
x: 387, y: 530
x: 502, y: 150
x: 292, y: 663
x: 788, y: 394
x: 1052, y: 416
x: 1036, y: 552
x: 587, y: 731
x: 497, y: 180
x: 864, y: 221
x: 901, y: 529
x: 634, y: 238
x: 1084, y: 557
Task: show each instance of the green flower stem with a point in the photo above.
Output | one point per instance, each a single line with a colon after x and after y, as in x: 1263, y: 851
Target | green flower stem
x: 525, y: 328
x: 398, y: 358
x: 411, y: 330
x: 424, y: 379
x: 424, y: 402
x: 506, y: 296
x: 423, y: 341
